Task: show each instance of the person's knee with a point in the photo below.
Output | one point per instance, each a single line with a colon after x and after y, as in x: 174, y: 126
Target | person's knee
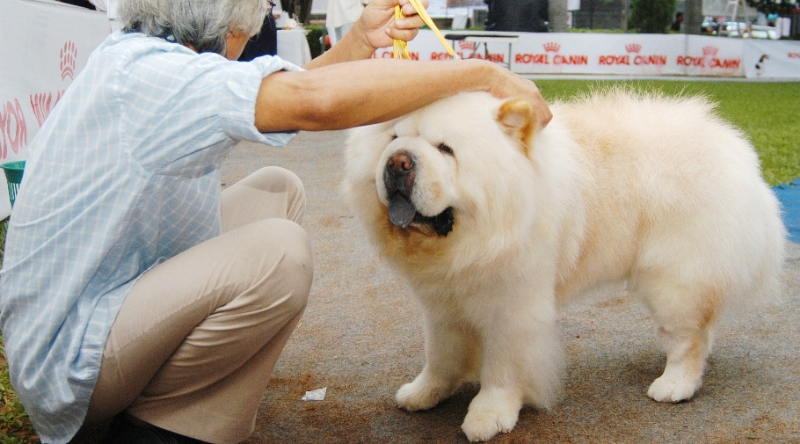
x: 276, y: 179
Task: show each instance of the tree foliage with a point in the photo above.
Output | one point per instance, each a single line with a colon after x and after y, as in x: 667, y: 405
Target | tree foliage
x: 783, y: 8
x: 652, y: 16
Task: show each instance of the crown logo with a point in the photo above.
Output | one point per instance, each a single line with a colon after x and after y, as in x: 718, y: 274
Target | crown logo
x: 633, y: 47
x: 68, y: 55
x: 710, y: 51
x: 551, y: 47
x: 466, y: 45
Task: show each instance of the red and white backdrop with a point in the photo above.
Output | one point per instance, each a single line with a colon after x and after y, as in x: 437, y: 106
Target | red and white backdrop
x: 626, y: 54
x: 44, y: 44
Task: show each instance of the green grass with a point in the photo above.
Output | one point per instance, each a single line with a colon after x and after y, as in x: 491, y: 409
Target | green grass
x: 15, y: 426
x: 766, y: 112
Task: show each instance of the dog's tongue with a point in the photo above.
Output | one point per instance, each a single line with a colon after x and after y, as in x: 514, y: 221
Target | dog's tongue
x: 401, y: 211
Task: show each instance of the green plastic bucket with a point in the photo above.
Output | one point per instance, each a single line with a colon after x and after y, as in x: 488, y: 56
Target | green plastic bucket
x: 13, y: 172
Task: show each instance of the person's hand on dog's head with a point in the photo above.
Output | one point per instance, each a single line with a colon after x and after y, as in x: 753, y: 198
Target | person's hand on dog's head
x: 509, y: 85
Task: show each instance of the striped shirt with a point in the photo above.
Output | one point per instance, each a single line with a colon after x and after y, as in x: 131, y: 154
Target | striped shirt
x: 124, y: 174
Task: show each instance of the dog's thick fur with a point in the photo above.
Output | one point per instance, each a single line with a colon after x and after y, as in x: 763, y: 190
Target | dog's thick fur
x: 497, y: 223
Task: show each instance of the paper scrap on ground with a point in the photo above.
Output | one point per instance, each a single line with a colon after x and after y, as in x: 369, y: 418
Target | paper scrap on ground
x: 315, y: 395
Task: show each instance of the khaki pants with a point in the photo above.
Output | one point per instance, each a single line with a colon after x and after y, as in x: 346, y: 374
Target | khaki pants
x: 198, y: 336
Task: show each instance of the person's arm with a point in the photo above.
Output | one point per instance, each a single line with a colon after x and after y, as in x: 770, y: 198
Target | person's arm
x: 340, y: 90
x: 345, y: 95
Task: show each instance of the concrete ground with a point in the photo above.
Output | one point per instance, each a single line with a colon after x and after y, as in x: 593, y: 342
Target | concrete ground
x: 361, y: 337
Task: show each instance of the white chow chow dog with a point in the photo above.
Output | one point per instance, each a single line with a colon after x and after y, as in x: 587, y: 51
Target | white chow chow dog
x: 496, y: 223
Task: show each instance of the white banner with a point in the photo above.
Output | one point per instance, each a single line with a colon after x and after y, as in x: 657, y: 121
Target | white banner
x: 616, y: 54
x: 778, y: 59
x: 713, y: 56
x: 574, y: 53
x: 45, y: 45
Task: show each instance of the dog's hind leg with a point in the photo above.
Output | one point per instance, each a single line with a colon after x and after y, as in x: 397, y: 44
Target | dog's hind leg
x: 685, y: 317
x: 687, y: 351
x: 450, y: 353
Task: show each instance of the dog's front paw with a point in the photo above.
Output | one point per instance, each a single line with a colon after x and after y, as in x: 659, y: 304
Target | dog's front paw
x: 422, y: 394
x: 485, y: 424
x: 491, y: 412
x: 666, y: 389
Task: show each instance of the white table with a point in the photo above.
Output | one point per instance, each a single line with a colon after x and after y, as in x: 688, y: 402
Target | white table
x: 483, y: 38
x: 293, y: 46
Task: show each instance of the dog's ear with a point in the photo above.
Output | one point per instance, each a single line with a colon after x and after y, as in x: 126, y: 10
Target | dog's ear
x: 516, y: 119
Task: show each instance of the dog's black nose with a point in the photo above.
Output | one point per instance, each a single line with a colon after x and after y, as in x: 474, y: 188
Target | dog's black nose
x: 399, y: 174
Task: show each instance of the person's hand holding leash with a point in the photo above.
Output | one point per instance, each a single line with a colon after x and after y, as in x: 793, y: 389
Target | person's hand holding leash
x: 378, y: 24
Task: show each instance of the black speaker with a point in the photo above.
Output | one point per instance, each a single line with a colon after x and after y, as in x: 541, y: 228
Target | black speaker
x: 517, y: 15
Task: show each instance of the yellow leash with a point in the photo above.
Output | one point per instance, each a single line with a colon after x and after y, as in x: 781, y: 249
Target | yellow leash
x: 401, y: 47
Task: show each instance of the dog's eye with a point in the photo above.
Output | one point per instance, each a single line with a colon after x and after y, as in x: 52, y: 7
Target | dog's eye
x: 445, y: 149
x: 394, y: 136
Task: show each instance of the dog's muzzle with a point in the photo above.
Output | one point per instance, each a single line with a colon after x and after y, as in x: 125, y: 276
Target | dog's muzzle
x: 398, y: 178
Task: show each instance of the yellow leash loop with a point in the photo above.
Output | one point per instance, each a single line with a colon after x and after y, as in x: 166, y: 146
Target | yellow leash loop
x: 401, y: 47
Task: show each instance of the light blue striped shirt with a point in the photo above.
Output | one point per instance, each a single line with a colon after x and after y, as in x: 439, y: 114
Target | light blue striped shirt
x: 124, y: 174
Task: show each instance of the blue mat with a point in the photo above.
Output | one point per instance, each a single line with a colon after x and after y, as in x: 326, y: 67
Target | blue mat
x: 789, y: 195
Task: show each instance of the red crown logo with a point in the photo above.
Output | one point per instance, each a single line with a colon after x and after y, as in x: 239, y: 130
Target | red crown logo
x: 551, y: 47
x: 68, y: 55
x: 633, y: 47
x: 466, y: 45
x: 710, y: 51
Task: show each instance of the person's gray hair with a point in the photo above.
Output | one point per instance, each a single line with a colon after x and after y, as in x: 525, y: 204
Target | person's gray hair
x: 201, y: 24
